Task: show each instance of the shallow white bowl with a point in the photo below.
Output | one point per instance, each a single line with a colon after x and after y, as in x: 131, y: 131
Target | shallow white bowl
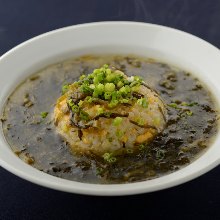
x: 166, y: 44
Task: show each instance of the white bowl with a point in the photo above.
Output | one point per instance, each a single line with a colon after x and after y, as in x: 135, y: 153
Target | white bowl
x: 166, y: 44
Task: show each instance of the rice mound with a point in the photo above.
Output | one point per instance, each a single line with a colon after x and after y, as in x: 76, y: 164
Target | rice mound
x: 118, y: 130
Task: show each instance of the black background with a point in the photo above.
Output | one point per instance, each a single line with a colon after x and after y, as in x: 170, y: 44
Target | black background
x: 23, y: 19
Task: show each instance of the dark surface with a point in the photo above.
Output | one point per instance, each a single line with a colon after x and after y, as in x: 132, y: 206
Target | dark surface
x: 21, y: 20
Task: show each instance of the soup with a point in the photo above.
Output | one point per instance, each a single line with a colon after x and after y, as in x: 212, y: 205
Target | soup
x: 190, y: 115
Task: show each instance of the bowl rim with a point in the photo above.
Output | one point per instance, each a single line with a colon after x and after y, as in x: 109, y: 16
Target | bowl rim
x: 99, y: 189
x: 97, y: 23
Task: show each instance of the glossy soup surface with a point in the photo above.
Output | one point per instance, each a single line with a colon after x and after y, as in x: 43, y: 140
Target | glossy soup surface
x: 191, y: 126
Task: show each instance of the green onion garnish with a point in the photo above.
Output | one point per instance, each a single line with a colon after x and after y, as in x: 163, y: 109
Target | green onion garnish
x: 109, y: 158
x: 44, y: 114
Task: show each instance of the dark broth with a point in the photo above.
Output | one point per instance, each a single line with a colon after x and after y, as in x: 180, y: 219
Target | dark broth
x: 190, y: 129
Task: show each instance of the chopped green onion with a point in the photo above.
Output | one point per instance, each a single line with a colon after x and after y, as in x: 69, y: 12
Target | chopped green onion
x: 135, y: 83
x: 95, y: 94
x: 189, y: 104
x: 119, y: 73
x: 142, y: 102
x: 80, y: 103
x: 126, y: 82
x: 107, y: 95
x: 113, y: 103
x: 119, y: 134
x: 44, y: 114
x: 82, y: 77
x: 99, y: 171
x: 75, y: 108
x: 106, y: 84
x: 120, y: 84
x: 100, y: 76
x: 189, y: 113
x: 92, y: 86
x: 173, y: 105
x: 127, y: 88
x: 65, y: 88
x: 84, y: 115
x: 107, y: 114
x: 108, y: 71
x: 100, y: 88
x: 96, y: 80
x: 123, y: 90
x: 96, y: 71
x: 70, y: 102
x: 124, y: 101
x: 129, y: 151
x: 86, y: 89
x: 160, y: 154
x: 114, y: 96
x: 135, y: 88
x: 109, y: 158
x: 105, y: 66
x: 140, y: 121
x: 109, y: 87
x: 89, y: 99
x: 142, y: 146
x: 100, y: 110
x: 110, y: 78
x: 137, y: 78
x: 117, y: 121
